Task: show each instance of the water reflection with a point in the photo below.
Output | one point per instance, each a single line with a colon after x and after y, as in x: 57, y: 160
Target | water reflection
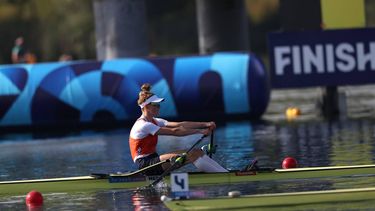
x: 235, y: 144
x: 353, y: 143
x: 68, y: 156
x: 317, y: 143
x: 148, y: 199
x: 311, y: 143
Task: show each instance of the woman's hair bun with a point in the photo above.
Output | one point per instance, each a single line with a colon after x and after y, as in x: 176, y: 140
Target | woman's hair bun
x: 145, y: 93
x: 146, y: 87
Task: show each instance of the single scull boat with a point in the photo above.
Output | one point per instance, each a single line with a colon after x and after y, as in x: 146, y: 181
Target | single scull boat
x: 135, y: 179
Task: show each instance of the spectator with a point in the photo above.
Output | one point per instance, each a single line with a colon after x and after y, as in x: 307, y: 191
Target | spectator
x: 18, y: 51
x: 65, y: 57
x: 30, y: 58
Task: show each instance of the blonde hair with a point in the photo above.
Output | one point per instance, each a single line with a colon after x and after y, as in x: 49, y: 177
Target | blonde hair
x: 145, y: 93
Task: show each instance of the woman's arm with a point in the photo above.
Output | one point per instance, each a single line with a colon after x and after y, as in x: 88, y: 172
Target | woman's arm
x: 192, y: 125
x: 182, y: 131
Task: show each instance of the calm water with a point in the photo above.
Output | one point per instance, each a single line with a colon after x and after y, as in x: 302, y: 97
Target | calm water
x: 312, y: 141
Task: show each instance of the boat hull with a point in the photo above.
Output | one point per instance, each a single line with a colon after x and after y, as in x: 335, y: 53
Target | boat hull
x: 92, y: 183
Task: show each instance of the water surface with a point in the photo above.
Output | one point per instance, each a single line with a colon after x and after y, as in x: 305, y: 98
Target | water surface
x: 312, y: 143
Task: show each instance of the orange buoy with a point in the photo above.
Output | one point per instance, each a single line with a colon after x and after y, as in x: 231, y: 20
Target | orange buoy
x: 292, y: 113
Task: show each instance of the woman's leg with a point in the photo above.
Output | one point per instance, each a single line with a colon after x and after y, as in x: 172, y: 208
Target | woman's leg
x: 198, y: 158
x: 192, y: 156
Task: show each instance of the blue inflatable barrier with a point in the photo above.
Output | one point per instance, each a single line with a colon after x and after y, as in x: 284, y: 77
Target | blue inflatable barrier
x: 79, y: 92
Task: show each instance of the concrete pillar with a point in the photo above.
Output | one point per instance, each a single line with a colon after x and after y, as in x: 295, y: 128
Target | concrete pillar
x: 120, y: 28
x: 222, y: 26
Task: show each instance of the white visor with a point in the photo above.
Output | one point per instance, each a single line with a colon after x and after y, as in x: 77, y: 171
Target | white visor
x: 152, y: 99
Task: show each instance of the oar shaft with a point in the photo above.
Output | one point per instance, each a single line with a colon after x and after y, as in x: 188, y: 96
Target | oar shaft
x: 134, y: 173
x: 142, y: 170
x: 176, y: 164
x: 211, y: 145
x: 195, y: 144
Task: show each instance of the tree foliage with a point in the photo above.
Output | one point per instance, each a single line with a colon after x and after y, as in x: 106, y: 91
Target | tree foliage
x: 50, y: 28
x: 55, y: 27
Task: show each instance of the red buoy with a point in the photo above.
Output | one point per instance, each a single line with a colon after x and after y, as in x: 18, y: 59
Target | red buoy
x: 289, y: 162
x: 34, y: 199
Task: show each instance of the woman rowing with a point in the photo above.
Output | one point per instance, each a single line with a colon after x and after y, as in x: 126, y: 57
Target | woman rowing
x: 144, y: 137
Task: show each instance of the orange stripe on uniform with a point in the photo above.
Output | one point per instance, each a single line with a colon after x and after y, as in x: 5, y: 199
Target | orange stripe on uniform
x: 144, y: 146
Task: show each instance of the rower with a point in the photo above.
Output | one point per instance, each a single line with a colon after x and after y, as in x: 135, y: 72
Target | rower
x: 143, y: 137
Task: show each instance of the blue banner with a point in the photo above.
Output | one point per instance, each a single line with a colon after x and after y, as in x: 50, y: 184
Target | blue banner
x: 322, y: 58
x: 70, y: 93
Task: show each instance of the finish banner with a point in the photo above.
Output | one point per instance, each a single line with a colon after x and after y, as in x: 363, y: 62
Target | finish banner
x: 322, y: 58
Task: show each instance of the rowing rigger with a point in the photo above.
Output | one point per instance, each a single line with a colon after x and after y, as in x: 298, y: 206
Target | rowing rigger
x: 135, y: 180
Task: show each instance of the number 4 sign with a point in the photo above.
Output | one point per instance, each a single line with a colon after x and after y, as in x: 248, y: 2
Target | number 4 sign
x: 180, y: 185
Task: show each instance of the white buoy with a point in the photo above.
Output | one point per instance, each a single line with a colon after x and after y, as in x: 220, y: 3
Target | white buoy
x: 234, y: 194
x: 164, y: 198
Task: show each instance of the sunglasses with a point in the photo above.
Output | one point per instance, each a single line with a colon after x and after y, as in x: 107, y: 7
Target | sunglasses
x: 155, y: 104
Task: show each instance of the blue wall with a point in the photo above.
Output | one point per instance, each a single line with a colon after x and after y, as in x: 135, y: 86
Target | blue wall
x: 222, y: 84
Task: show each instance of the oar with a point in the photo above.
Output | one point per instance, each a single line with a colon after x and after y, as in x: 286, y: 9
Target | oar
x: 178, y: 162
x: 211, y: 145
x: 130, y: 174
